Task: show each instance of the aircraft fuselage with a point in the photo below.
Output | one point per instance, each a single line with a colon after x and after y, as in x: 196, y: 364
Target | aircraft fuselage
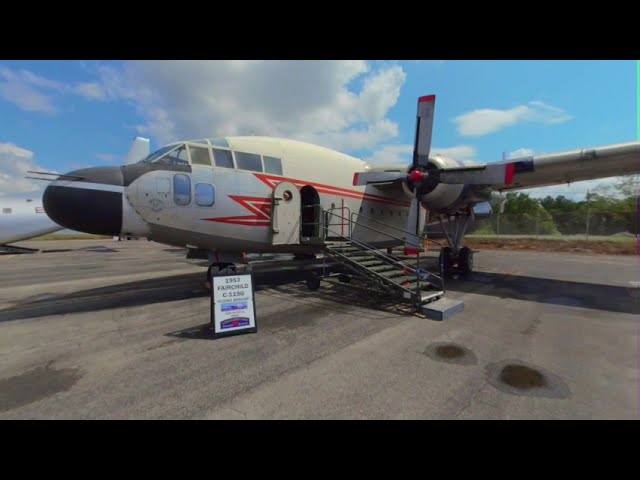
x: 187, y: 202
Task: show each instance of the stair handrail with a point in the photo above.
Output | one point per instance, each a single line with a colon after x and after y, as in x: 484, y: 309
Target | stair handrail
x: 419, y: 272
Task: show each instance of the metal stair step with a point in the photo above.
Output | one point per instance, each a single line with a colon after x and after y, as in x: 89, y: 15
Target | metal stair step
x: 371, y: 262
x: 384, y: 267
x: 396, y: 272
x: 344, y: 250
x: 356, y: 254
x: 431, y: 295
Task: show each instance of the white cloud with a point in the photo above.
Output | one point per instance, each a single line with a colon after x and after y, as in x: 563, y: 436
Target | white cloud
x: 465, y: 153
x: 14, y: 164
x: 392, y: 155
x: 35, y: 93
x: 402, y: 153
x: 519, y: 153
x: 90, y: 91
x: 20, y: 89
x: 313, y: 101
x: 485, y: 121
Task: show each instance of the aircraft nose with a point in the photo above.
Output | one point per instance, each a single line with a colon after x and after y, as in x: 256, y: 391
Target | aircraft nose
x: 87, y: 200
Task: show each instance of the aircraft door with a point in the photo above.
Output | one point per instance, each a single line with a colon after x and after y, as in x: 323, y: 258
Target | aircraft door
x: 285, y: 214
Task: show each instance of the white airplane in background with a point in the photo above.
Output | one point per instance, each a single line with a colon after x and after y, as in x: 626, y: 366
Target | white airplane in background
x: 235, y: 195
x: 22, y: 215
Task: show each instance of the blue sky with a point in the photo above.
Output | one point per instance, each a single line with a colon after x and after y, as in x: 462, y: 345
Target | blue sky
x: 63, y: 115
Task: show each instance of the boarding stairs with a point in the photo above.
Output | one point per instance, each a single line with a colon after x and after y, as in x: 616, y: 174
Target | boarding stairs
x: 388, y: 271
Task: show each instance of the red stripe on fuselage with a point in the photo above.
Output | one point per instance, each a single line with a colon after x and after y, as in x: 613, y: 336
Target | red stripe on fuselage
x: 259, y: 206
x: 271, y: 181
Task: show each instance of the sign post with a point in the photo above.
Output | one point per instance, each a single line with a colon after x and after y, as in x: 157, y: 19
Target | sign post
x: 233, y: 311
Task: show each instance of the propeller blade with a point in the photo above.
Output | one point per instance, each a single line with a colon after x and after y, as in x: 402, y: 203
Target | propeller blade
x: 424, y: 128
x: 412, y: 242
x: 491, y: 174
x: 369, y: 178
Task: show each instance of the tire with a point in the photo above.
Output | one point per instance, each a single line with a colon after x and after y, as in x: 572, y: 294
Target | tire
x: 446, y: 260
x: 313, y: 283
x: 465, y: 261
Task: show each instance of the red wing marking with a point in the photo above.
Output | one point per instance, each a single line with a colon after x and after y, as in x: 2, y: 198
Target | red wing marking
x: 509, y: 172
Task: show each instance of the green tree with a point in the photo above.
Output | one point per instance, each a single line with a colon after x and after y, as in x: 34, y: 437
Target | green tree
x: 526, y: 215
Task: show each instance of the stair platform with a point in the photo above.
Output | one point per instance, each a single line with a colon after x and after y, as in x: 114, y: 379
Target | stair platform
x: 442, y: 309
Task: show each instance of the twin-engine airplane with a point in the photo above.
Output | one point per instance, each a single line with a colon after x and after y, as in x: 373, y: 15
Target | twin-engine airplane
x: 234, y: 195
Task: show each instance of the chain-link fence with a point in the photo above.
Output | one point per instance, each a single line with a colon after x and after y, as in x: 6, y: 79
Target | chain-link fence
x: 585, y: 225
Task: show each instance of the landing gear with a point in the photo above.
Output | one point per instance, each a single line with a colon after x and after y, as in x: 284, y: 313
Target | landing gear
x: 465, y: 260
x: 342, y: 278
x: 453, y: 258
x: 313, y: 283
x: 218, y: 268
x: 446, y: 260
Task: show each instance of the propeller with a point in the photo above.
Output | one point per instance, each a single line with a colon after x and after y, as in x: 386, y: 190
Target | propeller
x: 417, y: 179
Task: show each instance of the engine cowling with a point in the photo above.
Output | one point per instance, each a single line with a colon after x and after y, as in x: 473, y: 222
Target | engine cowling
x: 441, y: 196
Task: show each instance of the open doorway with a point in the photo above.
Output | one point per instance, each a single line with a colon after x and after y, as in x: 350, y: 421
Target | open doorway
x: 310, y: 205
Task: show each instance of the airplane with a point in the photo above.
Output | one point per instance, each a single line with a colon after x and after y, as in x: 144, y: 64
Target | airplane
x: 224, y: 197
x: 22, y: 215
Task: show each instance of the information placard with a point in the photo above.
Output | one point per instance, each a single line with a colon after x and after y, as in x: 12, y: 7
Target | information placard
x: 232, y: 307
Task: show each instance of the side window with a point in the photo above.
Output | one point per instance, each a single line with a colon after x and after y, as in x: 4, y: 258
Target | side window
x: 7, y: 210
x: 205, y: 194
x: 249, y: 161
x: 199, y: 155
x: 223, y: 158
x: 181, y: 189
x: 272, y: 165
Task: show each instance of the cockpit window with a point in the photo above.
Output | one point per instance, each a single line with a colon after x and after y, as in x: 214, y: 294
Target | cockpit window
x: 249, y: 161
x: 169, y: 155
x: 219, y: 142
x: 199, y: 155
x: 157, y: 154
x: 223, y: 158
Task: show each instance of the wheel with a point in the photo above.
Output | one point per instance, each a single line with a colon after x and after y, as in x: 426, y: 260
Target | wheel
x: 313, y: 283
x: 446, y: 260
x: 220, y: 268
x: 342, y: 278
x: 465, y: 260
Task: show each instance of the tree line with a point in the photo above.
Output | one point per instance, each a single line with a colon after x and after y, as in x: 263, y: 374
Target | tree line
x: 605, y: 211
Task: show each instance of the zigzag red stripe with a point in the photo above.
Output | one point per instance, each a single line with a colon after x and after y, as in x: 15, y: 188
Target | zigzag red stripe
x: 270, y: 180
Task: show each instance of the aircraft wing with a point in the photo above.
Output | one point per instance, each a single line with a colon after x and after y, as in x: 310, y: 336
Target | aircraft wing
x: 572, y: 166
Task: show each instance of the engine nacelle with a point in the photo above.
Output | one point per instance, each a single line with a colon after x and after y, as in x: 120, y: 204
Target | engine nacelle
x: 442, y: 196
